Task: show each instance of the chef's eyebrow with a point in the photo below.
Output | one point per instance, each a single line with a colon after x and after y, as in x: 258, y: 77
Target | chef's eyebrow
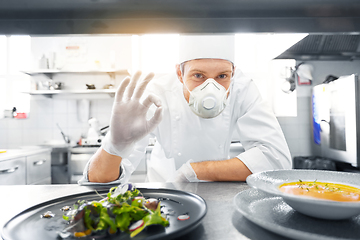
x: 227, y: 71
x: 201, y: 71
x: 183, y: 64
x: 197, y: 70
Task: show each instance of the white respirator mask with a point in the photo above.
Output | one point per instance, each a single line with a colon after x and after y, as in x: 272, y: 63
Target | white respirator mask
x: 208, y: 100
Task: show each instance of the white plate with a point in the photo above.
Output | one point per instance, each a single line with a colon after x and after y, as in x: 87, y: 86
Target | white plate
x: 272, y: 213
x: 269, y: 181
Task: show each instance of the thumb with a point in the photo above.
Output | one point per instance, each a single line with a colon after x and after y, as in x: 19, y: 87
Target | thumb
x: 156, y: 119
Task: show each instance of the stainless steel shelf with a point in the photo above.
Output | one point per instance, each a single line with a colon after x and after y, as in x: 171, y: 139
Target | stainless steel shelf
x: 49, y: 93
x: 50, y: 72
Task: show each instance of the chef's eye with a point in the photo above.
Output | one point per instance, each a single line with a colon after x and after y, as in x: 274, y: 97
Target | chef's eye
x: 222, y: 76
x: 198, y: 75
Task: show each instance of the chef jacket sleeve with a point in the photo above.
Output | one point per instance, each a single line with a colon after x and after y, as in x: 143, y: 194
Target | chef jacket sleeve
x: 260, y: 133
x: 128, y: 165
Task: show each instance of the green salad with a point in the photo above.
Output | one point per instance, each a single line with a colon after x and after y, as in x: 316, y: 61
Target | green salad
x: 124, y: 210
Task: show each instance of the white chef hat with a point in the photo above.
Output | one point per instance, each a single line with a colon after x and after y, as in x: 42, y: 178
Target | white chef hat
x: 207, y: 46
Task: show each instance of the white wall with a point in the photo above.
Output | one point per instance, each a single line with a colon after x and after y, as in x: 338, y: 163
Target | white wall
x: 40, y: 126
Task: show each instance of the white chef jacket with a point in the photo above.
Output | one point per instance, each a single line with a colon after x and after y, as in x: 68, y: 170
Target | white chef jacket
x: 182, y: 135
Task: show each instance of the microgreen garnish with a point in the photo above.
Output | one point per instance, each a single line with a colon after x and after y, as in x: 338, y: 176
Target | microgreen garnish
x: 123, y: 206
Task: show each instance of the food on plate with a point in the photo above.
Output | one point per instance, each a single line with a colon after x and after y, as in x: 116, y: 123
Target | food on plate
x: 65, y: 208
x: 183, y: 217
x: 47, y: 214
x: 322, y: 190
x: 124, y: 210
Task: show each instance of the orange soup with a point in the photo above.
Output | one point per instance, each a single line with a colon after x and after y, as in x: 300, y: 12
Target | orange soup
x: 323, y: 190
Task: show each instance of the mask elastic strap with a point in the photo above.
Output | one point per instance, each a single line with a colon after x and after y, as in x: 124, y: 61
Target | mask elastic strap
x: 187, y: 89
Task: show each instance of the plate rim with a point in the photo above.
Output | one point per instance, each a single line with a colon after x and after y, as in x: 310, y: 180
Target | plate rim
x: 94, y: 191
x: 275, y: 228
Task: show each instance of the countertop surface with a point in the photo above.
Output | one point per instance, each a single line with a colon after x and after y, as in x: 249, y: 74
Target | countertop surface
x: 23, y: 152
x: 222, y: 220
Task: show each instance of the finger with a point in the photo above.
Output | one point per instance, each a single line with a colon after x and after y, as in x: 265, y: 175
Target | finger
x: 142, y: 85
x: 156, y: 119
x: 121, y: 89
x: 132, y: 85
x: 152, y: 99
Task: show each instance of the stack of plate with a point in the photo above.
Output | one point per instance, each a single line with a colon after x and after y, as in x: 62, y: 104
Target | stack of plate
x: 300, y: 217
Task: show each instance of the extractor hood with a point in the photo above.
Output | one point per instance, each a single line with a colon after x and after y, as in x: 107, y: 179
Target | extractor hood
x: 325, y: 47
x: 36, y: 17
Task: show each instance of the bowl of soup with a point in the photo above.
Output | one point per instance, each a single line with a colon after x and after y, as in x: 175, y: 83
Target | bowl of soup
x: 316, y: 193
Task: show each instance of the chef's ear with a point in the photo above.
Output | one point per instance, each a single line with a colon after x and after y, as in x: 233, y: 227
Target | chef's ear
x: 178, y: 72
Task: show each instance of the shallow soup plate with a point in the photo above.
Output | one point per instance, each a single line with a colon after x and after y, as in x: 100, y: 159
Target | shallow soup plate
x: 270, y: 181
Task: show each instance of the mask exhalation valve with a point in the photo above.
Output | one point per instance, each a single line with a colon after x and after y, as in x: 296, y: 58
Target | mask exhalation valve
x: 209, y: 103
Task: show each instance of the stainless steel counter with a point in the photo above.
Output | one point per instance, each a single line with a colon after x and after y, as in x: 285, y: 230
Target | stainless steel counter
x: 222, y: 221
x: 23, y: 151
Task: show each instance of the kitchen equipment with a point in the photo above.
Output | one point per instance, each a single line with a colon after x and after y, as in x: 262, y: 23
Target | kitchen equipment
x: 56, y: 86
x: 94, y: 135
x: 60, y: 155
x: 104, y: 130
x: 90, y: 86
x: 59, y: 165
x: 49, y: 85
x: 66, y: 139
x: 28, y: 223
x: 94, y: 131
x: 38, y: 168
x: 108, y: 86
x: 43, y: 62
x: 13, y: 171
x: 336, y: 120
x: 80, y: 155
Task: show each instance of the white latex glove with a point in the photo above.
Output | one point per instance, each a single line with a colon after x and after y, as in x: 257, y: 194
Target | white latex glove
x: 184, y: 174
x: 128, y: 118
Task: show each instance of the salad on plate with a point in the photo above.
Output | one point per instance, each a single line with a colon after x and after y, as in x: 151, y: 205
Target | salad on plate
x: 124, y: 211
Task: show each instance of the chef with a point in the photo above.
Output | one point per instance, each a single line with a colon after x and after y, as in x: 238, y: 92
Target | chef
x: 194, y: 114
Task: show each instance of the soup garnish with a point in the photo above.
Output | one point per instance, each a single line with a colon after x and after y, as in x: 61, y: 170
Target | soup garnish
x: 322, y: 190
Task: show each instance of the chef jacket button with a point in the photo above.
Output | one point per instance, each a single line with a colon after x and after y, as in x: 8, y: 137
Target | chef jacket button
x: 179, y: 154
x: 177, y: 118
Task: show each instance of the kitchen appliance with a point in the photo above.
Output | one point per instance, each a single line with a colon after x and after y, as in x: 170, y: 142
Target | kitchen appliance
x: 325, y: 47
x: 59, y: 164
x: 336, y: 120
x: 95, y: 134
x: 80, y: 155
x: 60, y: 155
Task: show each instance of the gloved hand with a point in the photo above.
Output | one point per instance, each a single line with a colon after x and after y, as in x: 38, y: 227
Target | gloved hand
x: 128, y: 118
x: 184, y: 174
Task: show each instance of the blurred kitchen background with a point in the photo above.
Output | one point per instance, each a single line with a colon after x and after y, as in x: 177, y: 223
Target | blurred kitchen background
x: 56, y: 94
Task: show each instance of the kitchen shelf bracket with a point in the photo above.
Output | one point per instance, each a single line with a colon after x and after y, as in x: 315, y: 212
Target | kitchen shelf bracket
x: 48, y: 95
x: 49, y: 75
x: 112, y: 75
